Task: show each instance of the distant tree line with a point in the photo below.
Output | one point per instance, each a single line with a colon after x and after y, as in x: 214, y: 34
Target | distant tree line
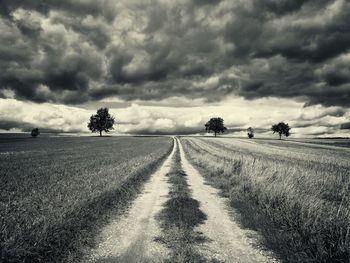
x: 103, y: 121
x: 216, y: 125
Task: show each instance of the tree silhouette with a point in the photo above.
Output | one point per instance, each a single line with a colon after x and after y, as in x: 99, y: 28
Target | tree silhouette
x: 102, y: 121
x: 215, y: 125
x: 250, y: 132
x: 35, y: 132
x: 281, y: 128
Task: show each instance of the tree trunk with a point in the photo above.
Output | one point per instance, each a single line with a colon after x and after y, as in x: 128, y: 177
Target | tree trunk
x: 100, y: 133
x: 215, y: 134
x: 280, y: 136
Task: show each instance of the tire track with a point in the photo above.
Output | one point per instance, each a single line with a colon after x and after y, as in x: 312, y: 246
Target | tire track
x: 180, y: 216
x: 194, y: 223
x: 228, y: 241
x: 131, y: 237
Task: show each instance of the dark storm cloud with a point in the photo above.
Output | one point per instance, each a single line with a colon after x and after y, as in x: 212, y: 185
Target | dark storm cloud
x: 103, y: 8
x: 42, y: 67
x: 297, y: 30
x: 94, y: 30
x: 27, y: 127
x: 29, y: 28
x: 78, y: 51
x: 8, y: 125
x: 345, y: 126
x: 293, y: 47
x: 333, y: 112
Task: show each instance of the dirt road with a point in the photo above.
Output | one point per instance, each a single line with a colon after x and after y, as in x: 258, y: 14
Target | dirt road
x: 228, y: 241
x: 131, y: 238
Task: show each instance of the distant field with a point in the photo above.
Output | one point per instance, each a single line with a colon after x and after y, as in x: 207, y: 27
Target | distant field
x: 296, y: 194
x: 330, y: 141
x: 308, y: 142
x: 55, y: 189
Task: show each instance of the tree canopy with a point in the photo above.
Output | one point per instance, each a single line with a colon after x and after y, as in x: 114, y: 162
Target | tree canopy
x: 35, y: 132
x: 101, y: 121
x: 215, y: 125
x: 281, y: 128
x: 250, y: 132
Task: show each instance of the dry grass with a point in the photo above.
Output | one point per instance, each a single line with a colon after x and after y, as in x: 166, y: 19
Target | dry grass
x: 55, y: 192
x: 296, y: 196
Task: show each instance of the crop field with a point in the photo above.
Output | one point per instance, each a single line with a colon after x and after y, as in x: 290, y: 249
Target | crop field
x: 295, y: 194
x: 55, y: 191
x: 146, y: 199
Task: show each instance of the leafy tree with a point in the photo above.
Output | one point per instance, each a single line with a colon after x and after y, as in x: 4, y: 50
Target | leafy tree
x: 281, y: 128
x: 215, y: 125
x: 35, y: 132
x: 102, y: 121
x: 250, y: 132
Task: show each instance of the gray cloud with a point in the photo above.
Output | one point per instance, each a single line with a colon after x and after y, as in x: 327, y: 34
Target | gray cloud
x: 333, y: 112
x: 345, y: 126
x: 8, y: 125
x: 104, y: 8
x: 78, y: 51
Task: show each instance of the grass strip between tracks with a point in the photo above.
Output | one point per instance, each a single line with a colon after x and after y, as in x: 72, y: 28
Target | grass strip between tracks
x: 179, y: 217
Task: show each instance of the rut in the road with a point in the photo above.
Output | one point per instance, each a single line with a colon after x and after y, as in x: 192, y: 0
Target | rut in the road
x: 228, y: 242
x: 131, y: 237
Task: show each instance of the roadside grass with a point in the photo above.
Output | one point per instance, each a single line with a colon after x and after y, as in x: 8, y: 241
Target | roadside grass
x: 301, y: 208
x: 179, y: 217
x: 57, y: 192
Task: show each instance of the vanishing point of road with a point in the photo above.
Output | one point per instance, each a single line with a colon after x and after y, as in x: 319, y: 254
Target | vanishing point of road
x: 133, y: 237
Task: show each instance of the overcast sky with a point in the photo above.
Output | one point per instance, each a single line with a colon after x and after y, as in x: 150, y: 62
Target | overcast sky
x: 166, y: 66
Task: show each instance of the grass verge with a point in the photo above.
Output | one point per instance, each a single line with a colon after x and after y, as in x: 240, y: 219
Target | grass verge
x: 179, y: 217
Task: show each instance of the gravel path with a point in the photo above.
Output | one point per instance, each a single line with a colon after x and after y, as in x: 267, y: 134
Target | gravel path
x: 228, y: 242
x: 130, y: 238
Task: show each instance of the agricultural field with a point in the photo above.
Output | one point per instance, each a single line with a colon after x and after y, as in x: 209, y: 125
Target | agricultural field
x: 295, y: 194
x: 57, y: 191
x: 162, y: 199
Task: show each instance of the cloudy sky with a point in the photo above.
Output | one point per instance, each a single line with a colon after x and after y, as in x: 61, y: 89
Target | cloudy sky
x: 166, y: 66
